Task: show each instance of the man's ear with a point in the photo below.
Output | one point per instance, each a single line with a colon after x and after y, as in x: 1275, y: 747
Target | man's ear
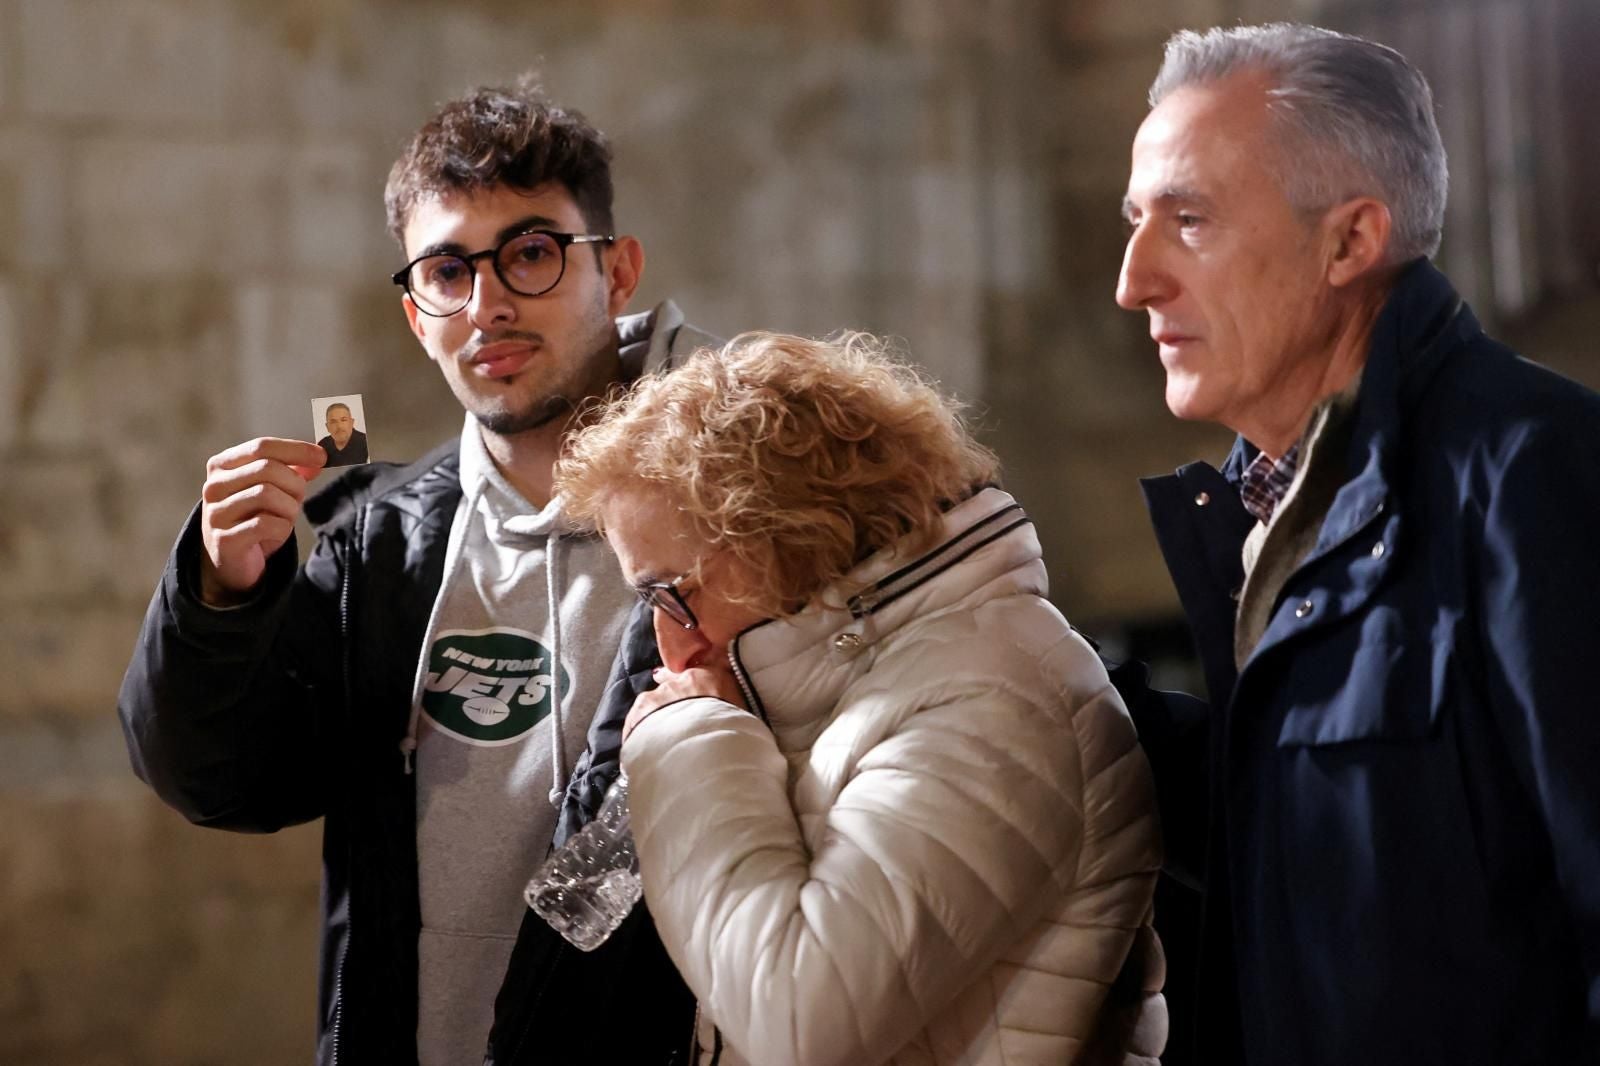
x: 624, y: 265
x: 413, y: 316
x: 1358, y: 234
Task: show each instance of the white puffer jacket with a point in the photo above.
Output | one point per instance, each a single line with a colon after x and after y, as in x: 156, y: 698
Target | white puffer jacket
x: 934, y: 842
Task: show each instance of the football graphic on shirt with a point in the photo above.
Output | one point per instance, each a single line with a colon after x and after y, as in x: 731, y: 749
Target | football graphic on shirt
x: 489, y: 686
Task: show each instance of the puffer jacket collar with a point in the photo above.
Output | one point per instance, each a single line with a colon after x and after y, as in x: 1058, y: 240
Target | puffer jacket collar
x: 795, y: 669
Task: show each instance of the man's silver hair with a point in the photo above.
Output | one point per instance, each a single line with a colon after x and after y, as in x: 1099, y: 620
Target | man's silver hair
x: 1353, y: 118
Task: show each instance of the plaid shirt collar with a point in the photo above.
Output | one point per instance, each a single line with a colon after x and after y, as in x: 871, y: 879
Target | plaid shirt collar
x: 1266, y: 481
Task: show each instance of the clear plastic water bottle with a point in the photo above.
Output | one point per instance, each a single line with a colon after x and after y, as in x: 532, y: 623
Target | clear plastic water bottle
x: 589, y: 884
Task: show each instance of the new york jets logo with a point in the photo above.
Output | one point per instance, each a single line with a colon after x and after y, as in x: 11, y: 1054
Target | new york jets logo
x: 489, y: 686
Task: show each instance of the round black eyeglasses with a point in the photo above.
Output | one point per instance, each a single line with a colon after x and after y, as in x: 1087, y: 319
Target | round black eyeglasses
x: 529, y: 264
x: 664, y: 595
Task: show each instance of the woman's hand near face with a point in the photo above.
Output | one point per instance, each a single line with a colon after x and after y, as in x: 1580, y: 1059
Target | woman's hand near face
x: 716, y: 681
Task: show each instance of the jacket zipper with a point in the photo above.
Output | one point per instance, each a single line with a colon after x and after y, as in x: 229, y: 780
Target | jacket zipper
x: 344, y: 639
x: 753, y: 704
x: 515, y: 1057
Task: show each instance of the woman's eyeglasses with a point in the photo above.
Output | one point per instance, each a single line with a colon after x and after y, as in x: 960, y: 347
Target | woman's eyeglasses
x: 665, y: 597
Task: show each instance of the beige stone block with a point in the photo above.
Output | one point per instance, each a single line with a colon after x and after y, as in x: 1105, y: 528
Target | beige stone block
x: 121, y: 824
x: 108, y: 447
x: 943, y: 232
x: 149, y: 490
x: 355, y: 68
x: 66, y: 841
x: 123, y: 60
x: 51, y: 755
x: 1317, y: 12
x: 410, y: 406
x: 1100, y: 103
x: 33, y: 199
x: 939, y: 325
x: 1070, y: 353
x: 13, y: 368
x: 1017, y: 250
x: 1092, y: 24
x: 269, y: 373
x: 66, y: 657
x: 996, y: 26
x: 943, y: 331
x: 769, y: 99
x: 1097, y: 370
x: 1083, y: 492
x: 334, y: 214
x: 508, y: 40
x: 190, y: 946
x: 157, y: 368
x: 351, y: 68
x: 504, y: 42
x: 192, y: 207
x: 8, y: 57
x: 42, y: 398
x: 55, y: 538
x: 291, y: 345
x: 964, y: 227
x: 294, y: 342
x: 778, y: 242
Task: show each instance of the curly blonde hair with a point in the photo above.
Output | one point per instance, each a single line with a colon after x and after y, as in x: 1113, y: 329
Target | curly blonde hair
x: 796, y: 457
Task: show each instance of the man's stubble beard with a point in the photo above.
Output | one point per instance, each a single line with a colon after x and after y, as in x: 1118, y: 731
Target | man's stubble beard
x: 512, y: 423
x: 599, y: 369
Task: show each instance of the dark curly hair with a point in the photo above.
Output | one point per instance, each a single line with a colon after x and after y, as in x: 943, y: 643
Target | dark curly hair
x: 514, y: 137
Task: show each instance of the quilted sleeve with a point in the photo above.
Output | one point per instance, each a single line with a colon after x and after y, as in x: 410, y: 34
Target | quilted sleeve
x: 961, y: 818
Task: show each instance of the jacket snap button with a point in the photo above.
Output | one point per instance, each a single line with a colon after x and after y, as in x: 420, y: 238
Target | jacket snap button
x: 1377, y: 550
x: 847, y: 641
x: 1202, y: 498
x: 1304, y: 609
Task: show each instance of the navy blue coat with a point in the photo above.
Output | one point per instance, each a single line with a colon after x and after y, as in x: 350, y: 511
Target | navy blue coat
x: 1394, y: 806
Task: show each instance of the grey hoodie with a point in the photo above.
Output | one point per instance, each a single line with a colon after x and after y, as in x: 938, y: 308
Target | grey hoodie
x: 516, y: 656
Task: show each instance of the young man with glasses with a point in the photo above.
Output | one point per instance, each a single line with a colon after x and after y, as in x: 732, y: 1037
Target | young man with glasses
x: 425, y: 679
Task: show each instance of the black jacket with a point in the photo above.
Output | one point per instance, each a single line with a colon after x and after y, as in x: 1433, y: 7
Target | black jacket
x: 293, y: 706
x: 1393, y: 804
x: 624, y: 1001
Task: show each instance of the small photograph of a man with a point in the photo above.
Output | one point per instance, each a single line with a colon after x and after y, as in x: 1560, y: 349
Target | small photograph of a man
x: 342, y: 418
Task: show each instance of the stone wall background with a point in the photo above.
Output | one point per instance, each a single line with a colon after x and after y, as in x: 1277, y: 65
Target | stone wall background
x: 192, y: 246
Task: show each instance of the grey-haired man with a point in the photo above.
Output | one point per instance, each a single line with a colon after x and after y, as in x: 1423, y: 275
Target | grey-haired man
x: 1391, y: 801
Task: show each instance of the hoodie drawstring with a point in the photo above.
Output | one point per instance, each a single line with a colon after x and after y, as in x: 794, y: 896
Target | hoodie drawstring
x: 552, y: 583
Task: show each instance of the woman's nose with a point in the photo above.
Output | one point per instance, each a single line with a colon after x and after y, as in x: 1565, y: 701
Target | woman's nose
x: 680, y: 648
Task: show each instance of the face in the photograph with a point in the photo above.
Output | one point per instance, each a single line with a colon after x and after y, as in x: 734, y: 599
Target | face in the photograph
x: 340, y: 424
